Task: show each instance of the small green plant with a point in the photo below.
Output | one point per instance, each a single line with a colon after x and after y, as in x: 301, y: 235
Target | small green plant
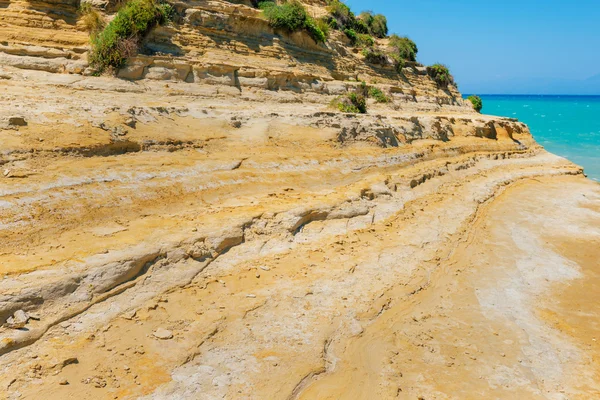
x: 351, y: 103
x: 365, y: 40
x: 404, y: 48
x: 292, y: 16
x: 324, y: 26
x: 477, y: 102
x: 120, y: 39
x: 352, y: 35
x: 91, y: 19
x: 440, y: 74
x: 378, y: 95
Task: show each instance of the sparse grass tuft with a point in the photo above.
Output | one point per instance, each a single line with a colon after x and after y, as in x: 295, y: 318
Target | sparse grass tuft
x: 91, y: 18
x: 378, y: 95
x: 440, y: 74
x: 351, y: 103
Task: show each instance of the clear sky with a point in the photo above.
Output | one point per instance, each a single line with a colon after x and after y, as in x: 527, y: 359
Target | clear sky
x: 491, y: 44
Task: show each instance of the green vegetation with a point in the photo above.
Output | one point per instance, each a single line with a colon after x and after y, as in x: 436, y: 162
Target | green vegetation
x: 477, y: 102
x: 352, y: 35
x: 340, y: 16
x: 351, y: 103
x: 365, y: 40
x: 292, y: 16
x: 359, y: 30
x: 375, y: 56
x: 324, y: 26
x: 120, y: 39
x: 376, y: 25
x: 378, y: 95
x: 92, y: 21
x: 440, y: 74
x: 404, y: 48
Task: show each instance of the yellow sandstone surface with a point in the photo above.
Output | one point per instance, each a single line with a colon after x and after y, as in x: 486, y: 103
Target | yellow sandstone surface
x: 198, y: 237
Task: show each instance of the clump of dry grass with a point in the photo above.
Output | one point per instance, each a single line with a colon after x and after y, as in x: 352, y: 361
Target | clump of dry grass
x: 91, y: 19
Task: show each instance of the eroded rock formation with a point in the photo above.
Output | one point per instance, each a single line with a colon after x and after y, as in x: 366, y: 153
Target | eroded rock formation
x: 207, y: 226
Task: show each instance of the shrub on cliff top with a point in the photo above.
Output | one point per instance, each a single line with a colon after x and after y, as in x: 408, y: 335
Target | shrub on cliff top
x: 344, y: 18
x: 292, y: 16
x: 404, y: 48
x: 376, y: 24
x: 440, y: 74
x: 119, y: 40
x: 477, y: 102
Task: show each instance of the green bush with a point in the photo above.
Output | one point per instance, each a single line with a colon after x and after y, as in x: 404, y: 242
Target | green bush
x: 324, y: 26
x: 361, y: 26
x: 375, y: 56
x: 440, y: 74
x: 351, y: 103
x: 378, y: 95
x: 379, y: 26
x: 376, y: 24
x: 477, y: 102
x: 291, y: 16
x: 352, y: 35
x: 405, y: 48
x: 341, y: 13
x: 119, y: 40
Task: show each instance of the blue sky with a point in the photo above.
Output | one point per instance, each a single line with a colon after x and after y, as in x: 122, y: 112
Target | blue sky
x: 523, y: 46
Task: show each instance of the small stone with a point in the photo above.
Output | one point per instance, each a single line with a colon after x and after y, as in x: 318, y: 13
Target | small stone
x: 34, y: 317
x: 129, y: 315
x: 18, y: 320
x: 17, y: 121
x: 69, y: 361
x: 252, y: 296
x: 63, y: 382
x: 163, y: 334
x: 130, y: 122
x: 6, y: 172
x: 257, y: 275
x: 126, y: 368
x: 265, y: 268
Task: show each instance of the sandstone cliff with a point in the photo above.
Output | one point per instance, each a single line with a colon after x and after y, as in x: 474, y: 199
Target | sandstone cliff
x: 206, y: 225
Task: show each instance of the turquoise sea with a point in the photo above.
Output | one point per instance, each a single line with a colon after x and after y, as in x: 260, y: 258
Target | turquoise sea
x: 568, y: 126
